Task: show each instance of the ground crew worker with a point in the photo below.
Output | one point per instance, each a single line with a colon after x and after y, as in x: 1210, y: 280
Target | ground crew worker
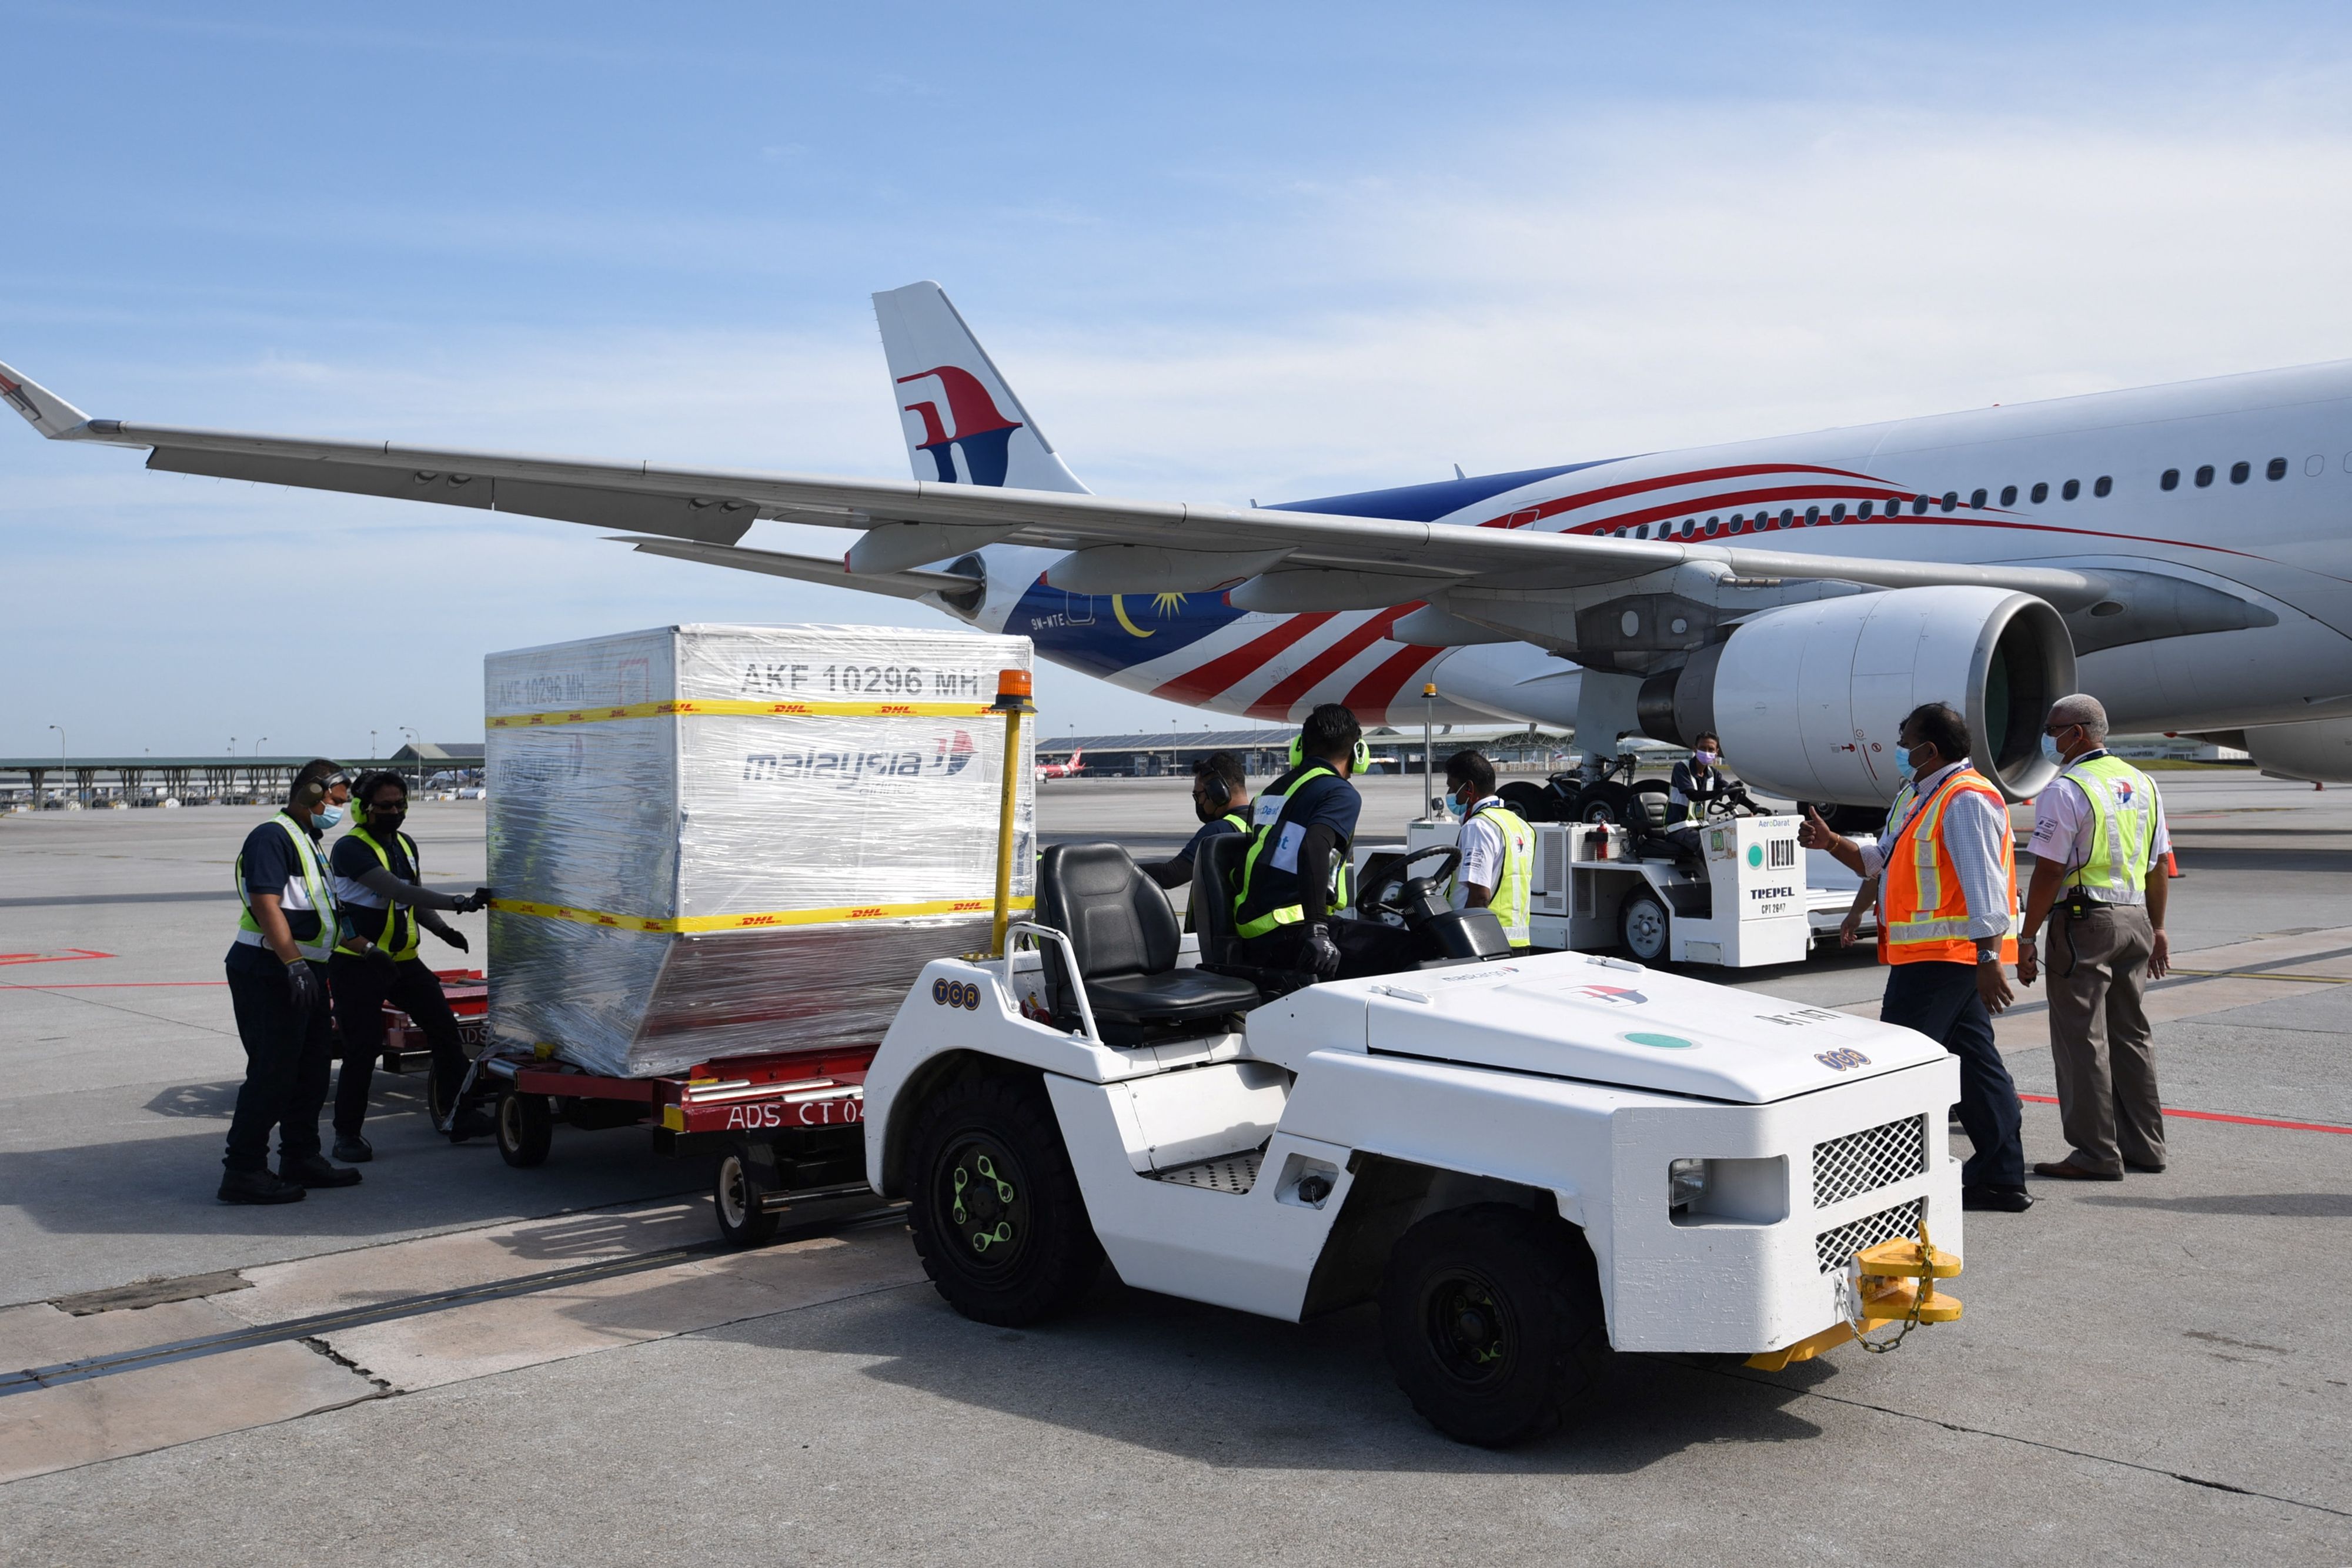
x: 278, y: 986
x: 1498, y: 849
x: 1221, y: 800
x: 1946, y: 868
x: 1294, y: 878
x: 2099, y: 836
x: 377, y: 872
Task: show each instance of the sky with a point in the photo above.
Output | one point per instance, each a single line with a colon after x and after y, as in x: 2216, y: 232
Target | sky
x: 1224, y: 253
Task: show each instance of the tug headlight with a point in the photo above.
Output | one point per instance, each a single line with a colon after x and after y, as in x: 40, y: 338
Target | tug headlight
x: 1728, y: 1191
x: 1685, y: 1183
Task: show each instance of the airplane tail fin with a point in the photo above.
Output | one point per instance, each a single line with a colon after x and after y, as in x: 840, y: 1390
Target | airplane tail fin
x: 50, y: 414
x: 963, y: 425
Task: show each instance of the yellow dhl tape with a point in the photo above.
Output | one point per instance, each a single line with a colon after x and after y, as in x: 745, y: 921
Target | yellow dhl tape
x: 712, y: 707
x: 691, y: 923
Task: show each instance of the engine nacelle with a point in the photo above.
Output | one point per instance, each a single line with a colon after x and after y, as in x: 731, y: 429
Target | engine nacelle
x: 1809, y: 698
x: 2319, y: 750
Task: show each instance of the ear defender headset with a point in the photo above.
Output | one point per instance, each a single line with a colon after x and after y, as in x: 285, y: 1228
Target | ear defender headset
x: 1215, y: 790
x: 1363, y: 752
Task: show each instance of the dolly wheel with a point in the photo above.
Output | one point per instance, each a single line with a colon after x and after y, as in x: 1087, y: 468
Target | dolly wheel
x: 1643, y: 922
x: 997, y: 1213
x: 1493, y: 1321
x: 526, y: 1127
x: 735, y: 1194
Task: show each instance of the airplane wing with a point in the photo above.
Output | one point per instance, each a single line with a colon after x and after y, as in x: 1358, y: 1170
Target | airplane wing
x: 1283, y: 560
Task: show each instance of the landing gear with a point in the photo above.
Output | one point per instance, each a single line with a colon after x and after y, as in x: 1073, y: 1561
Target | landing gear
x: 996, y: 1214
x: 1606, y: 801
x: 1533, y: 803
x: 1493, y: 1322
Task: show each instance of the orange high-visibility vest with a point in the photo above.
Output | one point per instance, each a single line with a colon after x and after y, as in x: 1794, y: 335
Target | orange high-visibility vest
x: 1923, y: 916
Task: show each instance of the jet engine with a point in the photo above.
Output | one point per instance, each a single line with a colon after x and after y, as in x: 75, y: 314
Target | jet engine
x: 2319, y: 750
x: 1807, y: 698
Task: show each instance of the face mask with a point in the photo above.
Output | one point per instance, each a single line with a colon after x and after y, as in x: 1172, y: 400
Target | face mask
x: 385, y: 822
x: 2050, y: 748
x: 324, y: 817
x: 1704, y: 759
x: 1902, y: 768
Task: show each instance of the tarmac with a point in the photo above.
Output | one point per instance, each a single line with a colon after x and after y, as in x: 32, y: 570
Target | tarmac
x: 457, y: 1359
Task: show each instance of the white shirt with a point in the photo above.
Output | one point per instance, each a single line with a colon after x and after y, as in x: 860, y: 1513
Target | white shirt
x: 1481, y: 842
x: 1975, y: 829
x: 2063, y: 820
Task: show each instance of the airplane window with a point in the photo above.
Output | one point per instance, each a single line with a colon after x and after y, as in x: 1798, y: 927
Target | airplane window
x: 2074, y: 488
x: 1688, y: 523
x: 2277, y: 470
x: 2205, y: 476
x: 1813, y: 516
x: 2171, y: 480
x: 1918, y: 505
x: 1976, y: 500
x: 1739, y: 523
x: 1951, y: 500
x: 2107, y: 483
x: 2238, y: 472
x: 2008, y: 494
x: 1714, y: 525
x: 2041, y: 492
x: 1788, y: 516
x: 1837, y: 513
x: 1864, y: 514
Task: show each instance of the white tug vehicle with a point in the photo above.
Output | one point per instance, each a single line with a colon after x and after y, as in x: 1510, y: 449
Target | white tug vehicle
x: 1529, y: 1161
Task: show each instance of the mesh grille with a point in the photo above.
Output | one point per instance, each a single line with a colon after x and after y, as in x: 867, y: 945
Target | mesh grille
x: 1835, y: 1249
x: 1865, y: 1161
x: 1226, y: 1172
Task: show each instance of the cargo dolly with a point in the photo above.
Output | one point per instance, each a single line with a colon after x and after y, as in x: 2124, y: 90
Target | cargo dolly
x: 785, y: 1125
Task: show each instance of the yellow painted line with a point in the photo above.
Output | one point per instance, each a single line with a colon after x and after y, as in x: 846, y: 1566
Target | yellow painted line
x: 713, y: 707
x: 2263, y: 975
x: 691, y: 923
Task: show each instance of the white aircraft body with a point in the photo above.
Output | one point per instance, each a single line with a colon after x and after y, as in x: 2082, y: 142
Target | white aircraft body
x: 2183, y: 553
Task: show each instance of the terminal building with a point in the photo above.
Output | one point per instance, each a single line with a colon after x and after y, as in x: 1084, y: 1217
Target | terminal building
x: 77, y: 783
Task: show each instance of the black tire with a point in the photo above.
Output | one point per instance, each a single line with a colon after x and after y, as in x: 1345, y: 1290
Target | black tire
x: 1645, y: 929
x: 736, y: 1190
x: 1605, y: 802
x: 526, y: 1127
x: 995, y: 1209
x: 1493, y: 1322
x: 1533, y: 803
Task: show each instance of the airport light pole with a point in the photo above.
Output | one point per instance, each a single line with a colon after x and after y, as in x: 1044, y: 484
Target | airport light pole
x: 61, y: 753
x: 417, y: 750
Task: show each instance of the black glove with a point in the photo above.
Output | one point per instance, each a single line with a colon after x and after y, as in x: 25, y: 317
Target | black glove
x: 1320, y: 955
x: 479, y: 899
x: 381, y: 954
x: 302, y: 988
x: 454, y: 939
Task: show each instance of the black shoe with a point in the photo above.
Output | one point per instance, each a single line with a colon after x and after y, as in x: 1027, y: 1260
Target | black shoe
x: 354, y: 1150
x: 2139, y: 1170
x: 257, y: 1187
x: 471, y: 1124
x: 1996, y: 1199
x: 313, y: 1170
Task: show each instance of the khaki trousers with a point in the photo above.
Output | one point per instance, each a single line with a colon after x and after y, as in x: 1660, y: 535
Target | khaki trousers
x: 2097, y: 971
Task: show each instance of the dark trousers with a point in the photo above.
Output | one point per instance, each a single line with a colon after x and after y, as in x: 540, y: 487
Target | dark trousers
x: 361, y: 988
x: 287, y: 1050
x: 1940, y: 1002
x: 1366, y: 947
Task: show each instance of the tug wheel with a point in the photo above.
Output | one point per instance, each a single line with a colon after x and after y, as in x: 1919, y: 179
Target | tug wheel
x: 1643, y: 925
x: 1493, y: 1321
x: 735, y: 1194
x: 526, y: 1124
x: 997, y: 1213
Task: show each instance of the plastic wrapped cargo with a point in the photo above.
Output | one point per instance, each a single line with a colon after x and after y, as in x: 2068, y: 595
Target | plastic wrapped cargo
x: 718, y: 840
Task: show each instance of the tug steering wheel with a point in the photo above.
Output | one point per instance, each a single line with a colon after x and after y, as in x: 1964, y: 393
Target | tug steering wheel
x: 1391, y: 884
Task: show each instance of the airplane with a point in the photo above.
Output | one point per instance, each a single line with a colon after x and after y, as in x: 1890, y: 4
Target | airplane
x: 2179, y: 551
x: 1070, y: 769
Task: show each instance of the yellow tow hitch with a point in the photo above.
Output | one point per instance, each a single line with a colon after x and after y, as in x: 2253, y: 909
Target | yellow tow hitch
x: 1895, y: 1282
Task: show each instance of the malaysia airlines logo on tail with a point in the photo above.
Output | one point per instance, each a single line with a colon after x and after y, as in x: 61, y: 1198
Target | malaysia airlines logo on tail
x: 980, y: 433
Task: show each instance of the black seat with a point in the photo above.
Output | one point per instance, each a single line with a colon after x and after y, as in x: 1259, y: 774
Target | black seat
x: 1216, y: 869
x: 1125, y: 937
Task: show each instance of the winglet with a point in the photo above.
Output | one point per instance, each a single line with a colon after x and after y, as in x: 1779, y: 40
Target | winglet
x: 50, y: 414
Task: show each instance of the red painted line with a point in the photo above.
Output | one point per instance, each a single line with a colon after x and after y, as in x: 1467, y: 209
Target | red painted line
x: 1276, y: 702
x: 105, y: 985
x: 1213, y: 678
x: 71, y: 956
x: 2217, y: 1117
